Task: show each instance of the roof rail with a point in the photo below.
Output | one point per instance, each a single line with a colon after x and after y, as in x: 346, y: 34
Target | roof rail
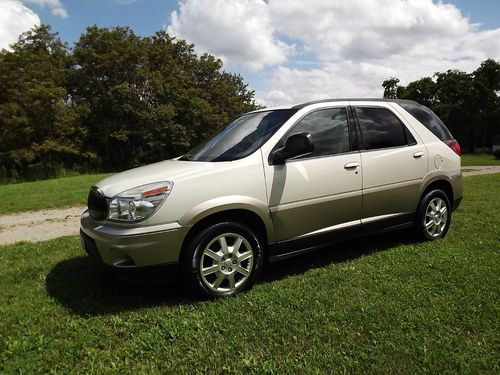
x: 302, y: 105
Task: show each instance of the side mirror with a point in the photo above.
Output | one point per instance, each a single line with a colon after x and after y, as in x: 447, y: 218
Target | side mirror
x: 297, y: 145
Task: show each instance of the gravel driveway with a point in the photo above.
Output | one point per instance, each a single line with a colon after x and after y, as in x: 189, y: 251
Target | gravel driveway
x: 47, y: 224
x: 41, y: 225
x: 474, y: 170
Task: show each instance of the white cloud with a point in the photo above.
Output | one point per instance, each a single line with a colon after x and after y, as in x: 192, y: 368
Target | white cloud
x: 240, y: 32
x: 366, y: 28
x: 15, y: 19
x: 347, y: 47
x: 362, y: 42
x: 55, y: 5
x: 333, y: 80
x: 352, y: 45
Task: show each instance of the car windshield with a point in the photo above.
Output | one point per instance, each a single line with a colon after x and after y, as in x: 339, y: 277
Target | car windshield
x: 240, y: 138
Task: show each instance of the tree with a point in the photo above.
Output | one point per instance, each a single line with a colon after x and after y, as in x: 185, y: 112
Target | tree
x: 469, y: 104
x: 115, y: 101
x: 485, y: 96
x: 151, y: 98
x: 453, y: 105
x: 391, y: 88
x: 422, y: 90
x: 39, y: 131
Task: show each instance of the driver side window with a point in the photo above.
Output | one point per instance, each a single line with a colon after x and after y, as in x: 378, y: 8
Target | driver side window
x: 329, y: 131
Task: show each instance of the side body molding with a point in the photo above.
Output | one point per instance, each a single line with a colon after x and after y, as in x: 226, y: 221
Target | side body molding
x: 226, y: 203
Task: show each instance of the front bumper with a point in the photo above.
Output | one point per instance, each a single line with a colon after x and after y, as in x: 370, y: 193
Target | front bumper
x: 128, y: 247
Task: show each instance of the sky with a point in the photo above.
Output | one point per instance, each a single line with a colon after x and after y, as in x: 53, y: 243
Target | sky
x: 290, y: 51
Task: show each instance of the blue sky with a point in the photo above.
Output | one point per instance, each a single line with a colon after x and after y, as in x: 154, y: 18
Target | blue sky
x: 294, y: 50
x: 486, y: 12
x: 144, y: 16
x: 148, y: 16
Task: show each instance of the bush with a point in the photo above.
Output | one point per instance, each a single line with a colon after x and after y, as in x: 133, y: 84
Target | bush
x: 496, y: 154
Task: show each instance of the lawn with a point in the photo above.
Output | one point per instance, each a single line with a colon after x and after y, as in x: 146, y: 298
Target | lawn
x: 479, y: 159
x: 383, y: 304
x: 55, y: 193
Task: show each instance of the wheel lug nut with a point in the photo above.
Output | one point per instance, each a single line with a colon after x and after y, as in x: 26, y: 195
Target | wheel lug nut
x: 230, y: 269
x: 234, y: 262
x: 222, y: 259
x: 222, y: 268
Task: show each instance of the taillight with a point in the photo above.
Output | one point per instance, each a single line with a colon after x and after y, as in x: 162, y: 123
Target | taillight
x: 453, y: 144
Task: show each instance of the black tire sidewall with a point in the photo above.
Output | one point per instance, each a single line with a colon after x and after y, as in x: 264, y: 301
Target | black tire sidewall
x: 424, y: 202
x: 192, y: 257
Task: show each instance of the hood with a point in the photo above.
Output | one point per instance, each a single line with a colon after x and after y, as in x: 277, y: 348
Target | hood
x: 168, y: 170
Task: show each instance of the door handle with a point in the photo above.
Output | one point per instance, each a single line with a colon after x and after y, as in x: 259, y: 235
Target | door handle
x: 418, y: 154
x: 351, y: 166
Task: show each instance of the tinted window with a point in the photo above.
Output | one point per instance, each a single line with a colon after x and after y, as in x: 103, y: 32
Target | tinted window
x: 410, y: 139
x: 380, y: 128
x: 329, y: 131
x: 428, y: 119
x: 242, y: 137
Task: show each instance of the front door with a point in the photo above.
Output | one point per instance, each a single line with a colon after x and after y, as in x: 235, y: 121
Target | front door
x: 321, y: 192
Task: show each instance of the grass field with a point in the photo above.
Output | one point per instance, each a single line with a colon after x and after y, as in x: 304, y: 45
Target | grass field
x: 479, y: 159
x: 55, y: 193
x: 382, y: 305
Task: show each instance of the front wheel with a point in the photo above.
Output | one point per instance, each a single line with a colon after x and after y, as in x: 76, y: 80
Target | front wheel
x: 223, y: 259
x: 434, y: 215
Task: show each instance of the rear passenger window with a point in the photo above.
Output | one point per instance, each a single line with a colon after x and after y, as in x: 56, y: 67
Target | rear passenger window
x: 329, y: 131
x: 380, y: 128
x: 429, y: 119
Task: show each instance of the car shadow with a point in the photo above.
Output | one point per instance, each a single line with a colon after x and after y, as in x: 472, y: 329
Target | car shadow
x: 338, y: 253
x: 88, y: 290
x: 81, y: 287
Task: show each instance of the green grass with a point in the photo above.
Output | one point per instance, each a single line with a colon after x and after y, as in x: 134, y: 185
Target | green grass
x: 479, y: 159
x: 382, y: 305
x: 55, y: 193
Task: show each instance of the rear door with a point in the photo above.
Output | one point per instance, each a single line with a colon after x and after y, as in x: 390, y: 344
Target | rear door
x: 394, y: 161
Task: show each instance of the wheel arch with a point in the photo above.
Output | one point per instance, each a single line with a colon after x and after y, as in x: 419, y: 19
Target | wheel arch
x: 441, y: 184
x: 209, y: 213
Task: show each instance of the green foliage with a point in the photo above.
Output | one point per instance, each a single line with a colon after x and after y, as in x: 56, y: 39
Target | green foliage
x: 391, y: 88
x: 496, y: 154
x: 469, y: 104
x: 39, y: 127
x: 380, y: 305
x: 114, y: 101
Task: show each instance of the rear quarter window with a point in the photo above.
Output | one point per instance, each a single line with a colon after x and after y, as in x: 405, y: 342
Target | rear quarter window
x: 429, y: 119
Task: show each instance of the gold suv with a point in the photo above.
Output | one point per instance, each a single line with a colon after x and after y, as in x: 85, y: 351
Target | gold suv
x: 276, y: 183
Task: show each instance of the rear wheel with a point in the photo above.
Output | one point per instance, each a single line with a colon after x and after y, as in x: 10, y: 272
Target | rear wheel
x: 434, y: 215
x: 223, y: 259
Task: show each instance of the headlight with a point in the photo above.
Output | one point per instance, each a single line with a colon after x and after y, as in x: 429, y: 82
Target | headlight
x: 140, y: 202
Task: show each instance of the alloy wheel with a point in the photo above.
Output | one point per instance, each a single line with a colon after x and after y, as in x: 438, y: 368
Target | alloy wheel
x: 226, y: 262
x: 436, y: 217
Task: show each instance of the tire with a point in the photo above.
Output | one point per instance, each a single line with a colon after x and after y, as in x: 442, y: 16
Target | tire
x: 211, y: 269
x: 433, y: 216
